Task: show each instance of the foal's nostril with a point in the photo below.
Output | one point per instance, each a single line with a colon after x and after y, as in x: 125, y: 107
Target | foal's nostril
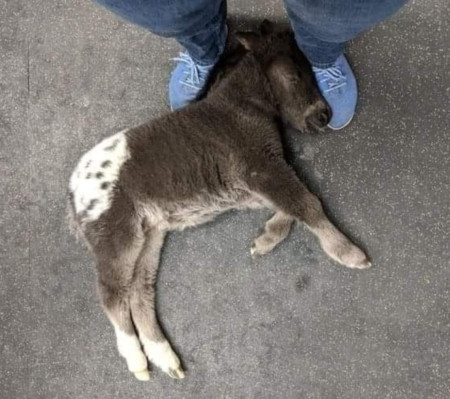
x: 324, y: 116
x: 318, y: 115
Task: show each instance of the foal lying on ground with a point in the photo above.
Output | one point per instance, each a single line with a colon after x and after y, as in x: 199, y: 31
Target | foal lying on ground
x: 223, y: 152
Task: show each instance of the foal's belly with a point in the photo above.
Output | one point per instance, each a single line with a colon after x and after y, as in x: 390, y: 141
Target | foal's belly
x: 189, y: 213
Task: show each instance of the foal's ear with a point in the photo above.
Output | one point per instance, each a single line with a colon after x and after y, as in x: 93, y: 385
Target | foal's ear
x: 248, y: 39
x: 266, y: 27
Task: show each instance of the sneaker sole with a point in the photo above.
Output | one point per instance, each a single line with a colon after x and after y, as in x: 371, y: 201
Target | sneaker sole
x: 341, y: 127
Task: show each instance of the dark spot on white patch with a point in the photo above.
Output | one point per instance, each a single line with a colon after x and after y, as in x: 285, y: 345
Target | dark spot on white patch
x: 88, y: 163
x: 92, y: 204
x: 112, y: 146
x: 89, y: 175
x: 105, y: 185
x: 106, y: 164
x: 99, y: 175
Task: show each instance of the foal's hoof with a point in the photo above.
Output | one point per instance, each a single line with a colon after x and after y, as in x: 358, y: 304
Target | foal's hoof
x: 347, y: 254
x: 363, y: 265
x: 355, y: 258
x: 143, y: 375
x: 177, y: 374
x: 259, y: 248
x: 254, y: 250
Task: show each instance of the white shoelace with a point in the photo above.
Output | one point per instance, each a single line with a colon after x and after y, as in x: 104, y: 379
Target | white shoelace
x: 196, y: 72
x: 333, y: 77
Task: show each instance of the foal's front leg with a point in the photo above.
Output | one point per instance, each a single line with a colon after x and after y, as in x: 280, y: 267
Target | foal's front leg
x: 278, y: 183
x: 276, y: 230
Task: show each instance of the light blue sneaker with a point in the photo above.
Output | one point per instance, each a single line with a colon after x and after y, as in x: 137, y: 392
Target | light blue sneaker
x: 337, y: 85
x: 187, y: 81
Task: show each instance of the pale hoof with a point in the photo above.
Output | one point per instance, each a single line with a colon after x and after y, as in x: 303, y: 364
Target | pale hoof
x: 143, y: 375
x: 347, y: 254
x: 177, y: 374
x: 355, y: 258
x: 253, y: 250
x: 363, y: 265
x: 260, y: 249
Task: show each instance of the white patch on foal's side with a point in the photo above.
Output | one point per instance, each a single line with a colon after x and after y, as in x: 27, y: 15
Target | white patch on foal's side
x: 96, y: 174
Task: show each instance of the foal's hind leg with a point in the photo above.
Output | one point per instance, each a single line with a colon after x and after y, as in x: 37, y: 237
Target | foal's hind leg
x: 156, y: 346
x: 278, y: 183
x: 117, y: 308
x: 276, y: 230
x: 117, y: 253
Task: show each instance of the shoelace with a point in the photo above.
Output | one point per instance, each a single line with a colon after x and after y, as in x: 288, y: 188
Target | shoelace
x: 196, y: 72
x: 333, y: 77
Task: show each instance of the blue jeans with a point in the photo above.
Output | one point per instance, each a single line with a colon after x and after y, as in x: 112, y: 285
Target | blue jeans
x: 322, y: 27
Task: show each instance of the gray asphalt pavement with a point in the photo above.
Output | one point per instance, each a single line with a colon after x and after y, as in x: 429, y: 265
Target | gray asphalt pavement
x: 290, y: 325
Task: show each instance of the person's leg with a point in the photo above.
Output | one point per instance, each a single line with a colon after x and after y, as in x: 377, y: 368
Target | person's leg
x: 198, y: 25
x: 322, y: 28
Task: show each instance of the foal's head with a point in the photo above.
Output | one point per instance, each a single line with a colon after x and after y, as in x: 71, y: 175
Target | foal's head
x: 293, y: 85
